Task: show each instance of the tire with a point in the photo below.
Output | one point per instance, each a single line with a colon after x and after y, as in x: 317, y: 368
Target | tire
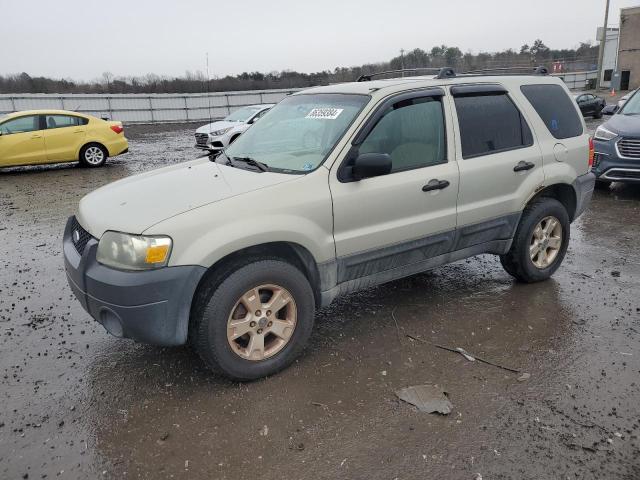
x: 603, y: 184
x: 518, y: 261
x: 93, y: 155
x: 220, y: 298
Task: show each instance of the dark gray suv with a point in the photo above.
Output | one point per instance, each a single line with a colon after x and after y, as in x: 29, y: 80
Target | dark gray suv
x: 617, y: 146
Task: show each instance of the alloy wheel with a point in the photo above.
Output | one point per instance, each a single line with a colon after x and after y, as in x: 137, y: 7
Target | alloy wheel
x: 262, y: 322
x: 546, y: 242
x: 94, y: 155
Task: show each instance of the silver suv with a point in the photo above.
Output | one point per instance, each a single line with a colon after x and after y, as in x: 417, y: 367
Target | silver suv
x: 336, y: 189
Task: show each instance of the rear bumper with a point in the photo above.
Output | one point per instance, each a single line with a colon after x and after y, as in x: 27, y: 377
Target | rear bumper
x: 583, y: 186
x: 151, y: 306
x: 118, y: 147
x: 611, y: 166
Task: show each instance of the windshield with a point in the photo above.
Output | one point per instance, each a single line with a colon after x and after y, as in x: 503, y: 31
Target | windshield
x: 243, y: 114
x: 632, y: 106
x: 299, y: 132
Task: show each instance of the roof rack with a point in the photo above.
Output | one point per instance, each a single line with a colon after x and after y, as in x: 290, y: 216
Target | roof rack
x: 441, y: 72
x: 539, y: 70
x: 448, y: 72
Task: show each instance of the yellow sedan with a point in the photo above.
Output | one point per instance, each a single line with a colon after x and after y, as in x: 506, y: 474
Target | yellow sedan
x: 50, y: 136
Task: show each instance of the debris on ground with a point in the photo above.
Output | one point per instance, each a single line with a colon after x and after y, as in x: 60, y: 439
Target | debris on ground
x: 524, y: 377
x: 428, y: 398
x: 466, y: 354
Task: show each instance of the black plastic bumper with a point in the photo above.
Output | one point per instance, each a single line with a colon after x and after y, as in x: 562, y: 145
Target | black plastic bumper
x: 148, y: 306
x: 583, y: 186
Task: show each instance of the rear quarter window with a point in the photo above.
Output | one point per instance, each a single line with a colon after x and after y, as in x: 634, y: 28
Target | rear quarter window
x: 555, y: 108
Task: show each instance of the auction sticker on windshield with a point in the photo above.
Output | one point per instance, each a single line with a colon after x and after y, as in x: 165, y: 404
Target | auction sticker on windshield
x: 325, y: 113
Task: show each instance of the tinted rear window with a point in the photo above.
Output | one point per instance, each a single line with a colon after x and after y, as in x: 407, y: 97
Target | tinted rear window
x: 490, y: 124
x: 555, y: 108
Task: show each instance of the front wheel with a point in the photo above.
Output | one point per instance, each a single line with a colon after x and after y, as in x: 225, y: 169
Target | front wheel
x: 93, y: 155
x: 540, y: 242
x: 256, y: 321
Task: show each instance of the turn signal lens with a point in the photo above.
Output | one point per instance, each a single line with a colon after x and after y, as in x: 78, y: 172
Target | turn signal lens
x: 157, y: 254
x: 591, y: 152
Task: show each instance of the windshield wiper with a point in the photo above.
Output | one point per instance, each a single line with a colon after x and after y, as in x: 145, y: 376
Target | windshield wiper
x: 263, y: 167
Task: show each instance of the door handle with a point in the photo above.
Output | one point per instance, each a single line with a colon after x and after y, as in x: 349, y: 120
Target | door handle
x: 36, y: 136
x: 435, y: 184
x: 77, y: 131
x: 522, y: 166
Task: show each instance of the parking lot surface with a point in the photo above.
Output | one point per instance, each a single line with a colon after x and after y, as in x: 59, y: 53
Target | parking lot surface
x: 77, y: 403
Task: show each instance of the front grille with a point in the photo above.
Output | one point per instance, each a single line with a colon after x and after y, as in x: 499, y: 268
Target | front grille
x: 629, y: 147
x: 202, y: 138
x: 623, y: 174
x: 79, y: 236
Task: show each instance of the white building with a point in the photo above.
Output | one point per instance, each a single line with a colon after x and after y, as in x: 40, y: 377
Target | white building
x: 610, y: 59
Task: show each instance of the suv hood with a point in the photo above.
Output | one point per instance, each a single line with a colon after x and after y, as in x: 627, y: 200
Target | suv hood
x: 134, y: 204
x: 624, y: 125
x: 215, y: 126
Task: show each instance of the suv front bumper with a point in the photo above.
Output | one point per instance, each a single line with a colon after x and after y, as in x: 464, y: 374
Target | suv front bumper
x: 610, y: 165
x: 148, y: 306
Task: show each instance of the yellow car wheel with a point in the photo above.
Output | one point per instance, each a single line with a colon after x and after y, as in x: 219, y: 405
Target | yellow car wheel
x: 93, y: 155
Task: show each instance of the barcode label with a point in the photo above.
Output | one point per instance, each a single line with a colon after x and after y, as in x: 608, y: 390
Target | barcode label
x: 325, y: 113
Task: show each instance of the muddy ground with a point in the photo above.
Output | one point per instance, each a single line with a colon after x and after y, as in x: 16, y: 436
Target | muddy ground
x: 77, y: 403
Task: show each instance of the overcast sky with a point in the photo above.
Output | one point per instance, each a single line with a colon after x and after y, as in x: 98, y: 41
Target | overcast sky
x: 80, y: 39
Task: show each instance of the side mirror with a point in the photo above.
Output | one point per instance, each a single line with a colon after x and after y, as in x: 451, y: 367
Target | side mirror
x: 369, y: 165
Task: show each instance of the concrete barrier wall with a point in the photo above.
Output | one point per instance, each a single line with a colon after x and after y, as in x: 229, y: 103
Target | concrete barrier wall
x: 145, y: 108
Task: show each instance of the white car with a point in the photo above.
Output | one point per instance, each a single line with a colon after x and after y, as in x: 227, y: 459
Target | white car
x: 219, y: 135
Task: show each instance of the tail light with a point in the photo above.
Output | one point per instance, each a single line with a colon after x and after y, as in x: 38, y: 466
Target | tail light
x: 591, y: 152
x: 117, y: 128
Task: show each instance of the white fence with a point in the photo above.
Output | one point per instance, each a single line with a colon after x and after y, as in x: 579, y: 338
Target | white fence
x: 159, y: 108
x: 144, y: 108
x: 577, y: 80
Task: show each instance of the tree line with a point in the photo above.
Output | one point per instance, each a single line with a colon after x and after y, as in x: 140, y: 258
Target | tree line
x: 581, y: 58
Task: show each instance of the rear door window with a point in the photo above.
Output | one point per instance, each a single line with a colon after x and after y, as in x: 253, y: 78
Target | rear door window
x: 555, y: 108
x: 63, y: 121
x: 490, y: 123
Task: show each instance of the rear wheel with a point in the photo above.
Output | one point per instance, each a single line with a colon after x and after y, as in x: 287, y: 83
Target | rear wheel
x: 256, y: 321
x: 93, y: 155
x: 540, y: 243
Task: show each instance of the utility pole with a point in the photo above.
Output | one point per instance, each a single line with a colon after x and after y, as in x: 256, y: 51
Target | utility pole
x: 402, y: 60
x: 602, y: 45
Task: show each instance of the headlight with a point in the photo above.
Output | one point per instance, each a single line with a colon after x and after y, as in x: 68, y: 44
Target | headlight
x: 604, y: 134
x: 217, y: 133
x: 133, y: 252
